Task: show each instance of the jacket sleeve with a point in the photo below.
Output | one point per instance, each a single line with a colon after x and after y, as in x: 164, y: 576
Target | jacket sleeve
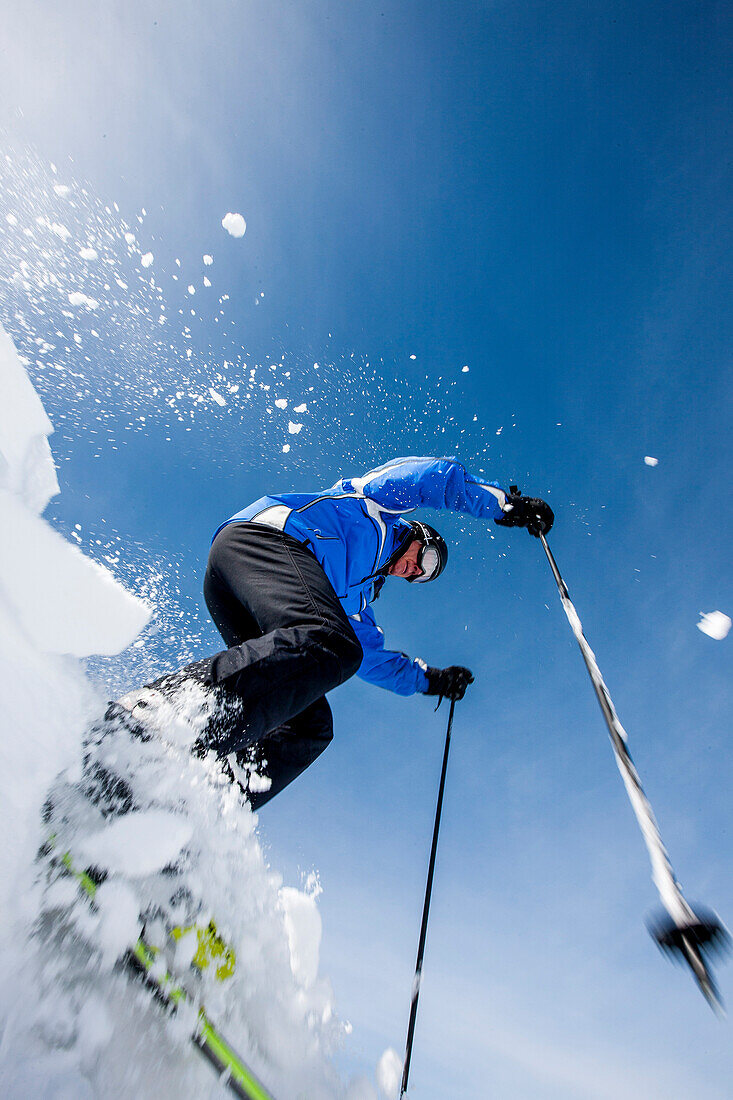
x: 407, y: 483
x: 394, y: 671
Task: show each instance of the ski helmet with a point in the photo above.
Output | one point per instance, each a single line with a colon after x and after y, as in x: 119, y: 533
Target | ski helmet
x: 433, y: 554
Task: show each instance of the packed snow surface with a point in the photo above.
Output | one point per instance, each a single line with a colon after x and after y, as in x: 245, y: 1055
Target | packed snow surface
x: 234, y: 224
x: 27, y: 471
x: 715, y: 624
x: 69, y: 603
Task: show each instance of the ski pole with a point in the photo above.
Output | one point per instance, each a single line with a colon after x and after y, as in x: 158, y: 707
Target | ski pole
x: 687, y: 936
x: 426, y: 909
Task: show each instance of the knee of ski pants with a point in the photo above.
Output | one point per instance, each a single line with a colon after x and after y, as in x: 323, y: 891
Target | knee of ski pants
x: 344, y: 646
x: 350, y: 655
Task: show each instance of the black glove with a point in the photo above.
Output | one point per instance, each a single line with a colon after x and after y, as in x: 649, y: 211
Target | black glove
x: 529, y: 512
x: 449, y: 682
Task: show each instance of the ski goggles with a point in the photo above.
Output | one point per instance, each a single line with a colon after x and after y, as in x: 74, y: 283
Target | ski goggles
x: 428, y: 556
x: 428, y: 559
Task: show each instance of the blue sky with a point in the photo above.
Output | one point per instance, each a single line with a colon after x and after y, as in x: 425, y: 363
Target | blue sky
x: 540, y: 193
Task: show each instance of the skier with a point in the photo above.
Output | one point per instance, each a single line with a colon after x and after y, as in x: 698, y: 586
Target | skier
x: 289, y: 584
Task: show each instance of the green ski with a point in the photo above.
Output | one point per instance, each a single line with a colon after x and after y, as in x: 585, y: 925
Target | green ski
x: 143, y: 958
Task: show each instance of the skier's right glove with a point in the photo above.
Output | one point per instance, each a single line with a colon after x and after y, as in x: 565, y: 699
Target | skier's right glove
x: 449, y: 682
x: 530, y: 512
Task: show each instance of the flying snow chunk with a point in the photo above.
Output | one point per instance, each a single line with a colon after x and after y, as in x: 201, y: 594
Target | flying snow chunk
x: 464, y: 370
x: 286, y: 448
x: 130, y: 238
x: 77, y: 298
x: 88, y: 253
x: 61, y: 189
x: 651, y: 461
x: 413, y: 357
x: 60, y: 231
x: 303, y: 927
x: 139, y: 843
x: 119, y: 925
x: 389, y: 1073
x: 11, y: 219
x: 207, y: 282
x: 301, y: 408
x: 281, y: 402
x: 715, y: 624
x: 258, y: 782
x: 147, y: 259
x: 191, y: 288
x: 234, y: 224
x: 294, y: 429
x: 208, y: 260
x: 217, y: 396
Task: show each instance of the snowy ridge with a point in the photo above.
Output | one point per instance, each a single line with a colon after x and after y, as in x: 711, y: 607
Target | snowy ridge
x: 49, y: 593
x: 71, y: 1023
x: 26, y: 466
x: 46, y: 701
x: 62, y: 601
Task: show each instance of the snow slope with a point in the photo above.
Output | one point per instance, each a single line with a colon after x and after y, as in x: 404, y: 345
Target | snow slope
x: 72, y: 1025
x: 54, y: 602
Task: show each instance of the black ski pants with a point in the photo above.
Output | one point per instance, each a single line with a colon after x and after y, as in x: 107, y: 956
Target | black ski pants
x: 289, y: 642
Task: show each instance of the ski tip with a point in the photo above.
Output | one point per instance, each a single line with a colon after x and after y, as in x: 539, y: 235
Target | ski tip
x: 694, y: 943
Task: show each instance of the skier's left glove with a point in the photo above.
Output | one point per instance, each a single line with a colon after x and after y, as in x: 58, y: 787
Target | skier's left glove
x: 449, y: 682
x: 530, y: 512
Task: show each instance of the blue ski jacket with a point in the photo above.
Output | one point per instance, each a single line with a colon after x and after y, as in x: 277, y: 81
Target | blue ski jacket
x: 354, y: 527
